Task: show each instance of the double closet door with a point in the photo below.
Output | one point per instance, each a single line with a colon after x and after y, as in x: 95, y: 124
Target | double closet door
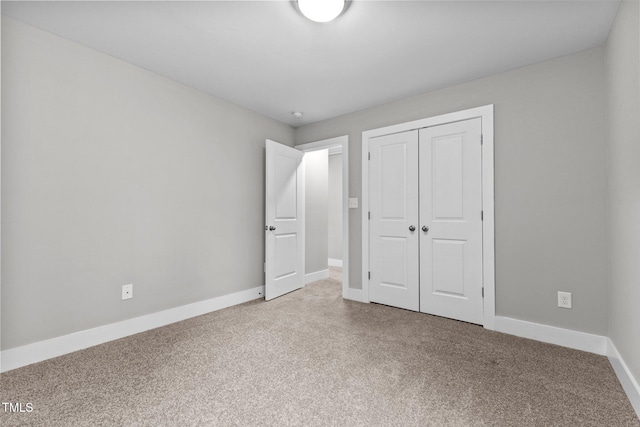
x: 426, y: 220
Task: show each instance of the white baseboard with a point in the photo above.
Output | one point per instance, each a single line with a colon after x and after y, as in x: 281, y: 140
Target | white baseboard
x: 315, y: 276
x: 334, y: 262
x: 550, y: 334
x: 31, y: 353
x: 356, y: 295
x: 628, y: 382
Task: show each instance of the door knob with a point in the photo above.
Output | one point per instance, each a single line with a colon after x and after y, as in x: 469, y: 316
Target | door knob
x: 425, y: 228
x: 412, y: 228
x: 272, y: 228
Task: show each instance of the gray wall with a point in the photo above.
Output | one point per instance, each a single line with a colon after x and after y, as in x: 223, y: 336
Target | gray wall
x: 623, y: 84
x: 335, y: 206
x: 550, y: 182
x: 114, y: 175
x: 316, y: 212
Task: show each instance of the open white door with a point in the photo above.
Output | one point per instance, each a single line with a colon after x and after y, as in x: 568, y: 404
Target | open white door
x: 284, y: 230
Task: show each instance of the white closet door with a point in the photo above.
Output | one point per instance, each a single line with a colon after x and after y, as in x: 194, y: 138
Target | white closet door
x: 284, y: 201
x: 393, y: 246
x: 450, y: 221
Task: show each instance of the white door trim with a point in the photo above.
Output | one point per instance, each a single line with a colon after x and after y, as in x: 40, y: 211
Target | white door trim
x: 343, y: 143
x: 485, y: 113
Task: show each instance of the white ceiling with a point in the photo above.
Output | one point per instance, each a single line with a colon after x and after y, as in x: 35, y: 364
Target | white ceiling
x: 266, y: 57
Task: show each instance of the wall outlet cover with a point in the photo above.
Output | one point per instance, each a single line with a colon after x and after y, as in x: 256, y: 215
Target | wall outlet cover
x: 564, y: 299
x: 353, y: 202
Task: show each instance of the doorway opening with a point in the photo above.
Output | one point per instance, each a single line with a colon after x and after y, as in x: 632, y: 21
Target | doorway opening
x: 326, y: 166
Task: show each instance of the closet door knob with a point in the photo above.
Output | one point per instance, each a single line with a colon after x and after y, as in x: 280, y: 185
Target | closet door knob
x: 272, y: 228
x: 412, y: 228
x: 425, y: 228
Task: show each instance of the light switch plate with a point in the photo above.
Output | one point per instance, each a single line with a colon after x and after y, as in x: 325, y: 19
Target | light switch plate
x: 353, y: 202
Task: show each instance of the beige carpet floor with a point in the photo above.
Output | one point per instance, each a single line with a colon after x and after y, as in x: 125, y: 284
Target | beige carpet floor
x: 311, y: 358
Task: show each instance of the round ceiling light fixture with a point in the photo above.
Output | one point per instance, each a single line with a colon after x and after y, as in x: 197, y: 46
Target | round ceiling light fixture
x: 321, y: 10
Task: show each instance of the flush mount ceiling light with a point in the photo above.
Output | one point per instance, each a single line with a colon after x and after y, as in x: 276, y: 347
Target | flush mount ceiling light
x: 321, y: 10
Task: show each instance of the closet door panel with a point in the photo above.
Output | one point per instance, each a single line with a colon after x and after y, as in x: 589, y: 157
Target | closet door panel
x: 393, y: 247
x: 450, y: 221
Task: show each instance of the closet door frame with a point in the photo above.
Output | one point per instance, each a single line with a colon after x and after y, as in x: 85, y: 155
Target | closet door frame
x: 485, y: 113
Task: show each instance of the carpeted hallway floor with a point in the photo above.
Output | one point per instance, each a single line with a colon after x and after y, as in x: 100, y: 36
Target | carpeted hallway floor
x: 311, y: 358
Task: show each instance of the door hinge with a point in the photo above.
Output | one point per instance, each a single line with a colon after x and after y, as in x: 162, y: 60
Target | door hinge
x: 369, y: 275
x: 483, y: 292
x: 369, y: 155
x: 481, y: 139
x: 265, y: 267
x: 369, y: 215
x: 482, y: 215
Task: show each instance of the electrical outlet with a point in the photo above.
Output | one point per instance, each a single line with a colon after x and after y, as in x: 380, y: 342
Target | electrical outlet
x: 127, y: 291
x: 564, y: 299
x: 353, y: 202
